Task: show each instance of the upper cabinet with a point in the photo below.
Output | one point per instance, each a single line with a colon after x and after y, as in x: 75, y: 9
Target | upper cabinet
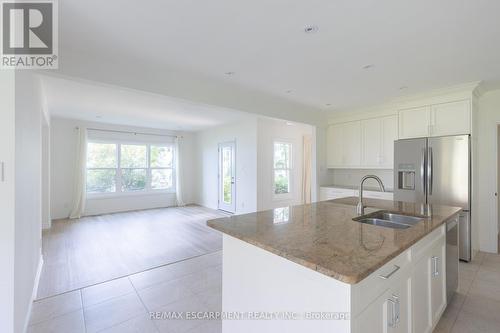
x: 415, y: 122
x: 435, y: 120
x: 378, y: 136
x: 344, y: 145
x: 451, y: 118
x: 362, y: 144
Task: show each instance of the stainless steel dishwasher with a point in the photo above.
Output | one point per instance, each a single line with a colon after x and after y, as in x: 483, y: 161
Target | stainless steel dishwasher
x: 451, y: 257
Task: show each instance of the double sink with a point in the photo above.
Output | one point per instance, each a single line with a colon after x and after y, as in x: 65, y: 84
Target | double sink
x: 388, y: 219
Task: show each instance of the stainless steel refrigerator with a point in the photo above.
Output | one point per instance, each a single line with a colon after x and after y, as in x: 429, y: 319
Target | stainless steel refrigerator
x: 436, y: 171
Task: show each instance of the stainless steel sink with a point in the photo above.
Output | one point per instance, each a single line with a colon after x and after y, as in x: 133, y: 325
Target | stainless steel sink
x: 382, y: 223
x: 389, y: 220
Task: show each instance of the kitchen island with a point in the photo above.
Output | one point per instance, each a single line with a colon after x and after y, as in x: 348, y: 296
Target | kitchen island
x: 312, y: 268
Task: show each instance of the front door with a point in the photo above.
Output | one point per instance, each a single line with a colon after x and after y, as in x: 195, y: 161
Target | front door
x: 227, y: 177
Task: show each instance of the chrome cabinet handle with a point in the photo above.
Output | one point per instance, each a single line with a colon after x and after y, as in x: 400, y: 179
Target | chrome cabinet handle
x: 392, y: 322
x: 435, y: 262
x: 2, y: 172
x: 385, y: 277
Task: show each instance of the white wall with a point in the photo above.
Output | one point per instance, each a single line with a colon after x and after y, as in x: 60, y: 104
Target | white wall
x: 28, y: 194
x: 269, y: 131
x: 7, y: 199
x: 63, y: 147
x: 488, y: 121
x: 245, y: 135
x: 46, y: 219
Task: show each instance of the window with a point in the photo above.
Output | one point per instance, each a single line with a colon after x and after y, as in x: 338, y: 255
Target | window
x: 282, y: 167
x: 101, y: 167
x: 122, y: 168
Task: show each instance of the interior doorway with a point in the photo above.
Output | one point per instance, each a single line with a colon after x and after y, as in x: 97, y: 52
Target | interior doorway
x: 227, y: 177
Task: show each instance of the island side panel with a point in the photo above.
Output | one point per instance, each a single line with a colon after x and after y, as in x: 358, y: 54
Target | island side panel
x: 255, y: 280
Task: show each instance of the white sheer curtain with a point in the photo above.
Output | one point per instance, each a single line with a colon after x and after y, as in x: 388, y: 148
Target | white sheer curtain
x: 80, y: 194
x: 306, y: 169
x: 179, y: 172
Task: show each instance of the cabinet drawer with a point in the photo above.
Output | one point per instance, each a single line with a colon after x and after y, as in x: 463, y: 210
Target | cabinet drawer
x: 419, y: 249
x: 376, y: 283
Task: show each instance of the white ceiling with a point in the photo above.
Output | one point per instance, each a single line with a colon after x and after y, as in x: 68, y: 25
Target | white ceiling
x: 110, y: 104
x: 183, y: 48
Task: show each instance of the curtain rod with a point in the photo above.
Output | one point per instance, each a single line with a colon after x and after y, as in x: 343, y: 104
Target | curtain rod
x: 130, y: 132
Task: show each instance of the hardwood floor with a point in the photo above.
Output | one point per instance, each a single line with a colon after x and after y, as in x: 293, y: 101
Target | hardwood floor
x: 81, y: 253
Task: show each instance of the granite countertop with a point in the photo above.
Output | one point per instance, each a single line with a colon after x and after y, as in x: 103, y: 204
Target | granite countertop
x: 322, y: 236
x: 366, y: 188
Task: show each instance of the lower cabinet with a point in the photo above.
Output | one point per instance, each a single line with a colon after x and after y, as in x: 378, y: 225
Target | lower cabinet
x: 414, y: 294
x: 428, y: 287
x: 390, y: 312
x: 438, y: 280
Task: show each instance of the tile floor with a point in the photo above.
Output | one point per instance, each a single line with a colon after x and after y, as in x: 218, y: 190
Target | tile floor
x: 95, y: 249
x: 123, y: 305
x: 476, y: 306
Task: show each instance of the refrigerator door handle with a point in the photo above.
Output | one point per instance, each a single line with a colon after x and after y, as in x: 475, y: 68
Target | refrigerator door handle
x: 422, y: 170
x: 429, y: 171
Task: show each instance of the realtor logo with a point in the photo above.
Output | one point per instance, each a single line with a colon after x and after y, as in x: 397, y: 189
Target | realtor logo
x: 29, y: 34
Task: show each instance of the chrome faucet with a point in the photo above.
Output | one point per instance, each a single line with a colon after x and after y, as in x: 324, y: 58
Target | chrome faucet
x: 360, y: 208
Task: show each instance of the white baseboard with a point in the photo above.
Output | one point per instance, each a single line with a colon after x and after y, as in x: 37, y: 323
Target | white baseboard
x: 34, y: 293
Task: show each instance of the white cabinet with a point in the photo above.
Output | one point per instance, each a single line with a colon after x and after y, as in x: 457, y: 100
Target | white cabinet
x: 378, y: 136
x: 334, y: 144
x: 389, y: 135
x: 344, y: 145
x: 415, y: 122
x: 389, y: 312
x: 408, y: 294
x: 330, y: 193
x: 428, y: 286
x: 438, y: 280
x: 362, y: 144
x: 450, y: 118
x: 377, y: 195
x: 421, y: 286
x: 371, y: 132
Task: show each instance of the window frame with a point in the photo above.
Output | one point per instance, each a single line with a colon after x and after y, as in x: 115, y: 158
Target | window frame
x: 148, y: 190
x: 289, y: 194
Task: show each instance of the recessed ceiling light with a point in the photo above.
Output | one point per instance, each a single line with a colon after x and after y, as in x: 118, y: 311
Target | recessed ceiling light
x: 310, y: 29
x: 289, y: 123
x: 229, y: 73
x: 369, y: 66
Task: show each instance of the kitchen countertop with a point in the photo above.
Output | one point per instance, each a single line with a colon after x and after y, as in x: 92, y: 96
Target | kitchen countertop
x: 366, y: 188
x: 322, y: 236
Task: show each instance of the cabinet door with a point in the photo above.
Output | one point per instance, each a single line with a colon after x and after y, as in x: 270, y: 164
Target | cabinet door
x: 352, y: 143
x: 389, y: 135
x: 371, y: 132
x: 373, y: 318
x: 414, y: 123
x: 334, y: 145
x: 389, y: 313
x: 450, y: 118
x: 438, y: 280
x: 421, y: 293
